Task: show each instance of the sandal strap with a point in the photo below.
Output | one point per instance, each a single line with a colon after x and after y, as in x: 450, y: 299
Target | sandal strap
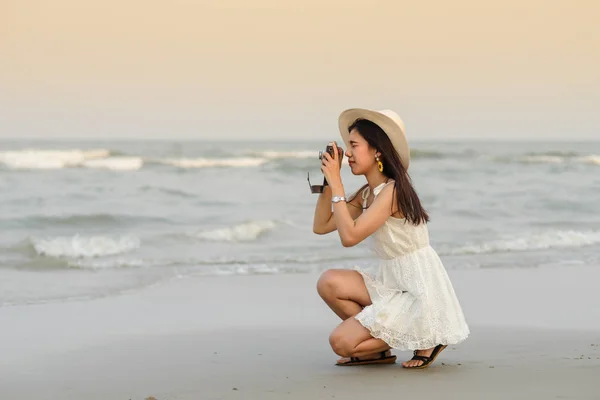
x: 381, y: 356
x: 421, y: 358
x: 356, y: 359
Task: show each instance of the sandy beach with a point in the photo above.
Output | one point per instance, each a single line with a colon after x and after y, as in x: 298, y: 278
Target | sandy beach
x: 157, y: 214
x: 535, y: 335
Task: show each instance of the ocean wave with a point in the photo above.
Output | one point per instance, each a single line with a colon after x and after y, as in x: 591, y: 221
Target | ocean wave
x: 563, y: 154
x: 247, y: 270
x: 302, y: 154
x: 168, y: 191
x: 84, y: 219
x: 282, y: 266
x: 591, y: 159
x: 550, y: 157
x: 109, y: 263
x: 64, y: 263
x: 50, y: 159
x: 318, y: 257
x: 274, y: 155
x: 244, y: 232
x: 115, y: 163
x: 428, y: 154
x: 213, y: 162
x: 555, y: 159
x: 533, y: 241
x: 541, y: 159
x: 301, y: 158
x: 39, y: 159
x: 83, y: 247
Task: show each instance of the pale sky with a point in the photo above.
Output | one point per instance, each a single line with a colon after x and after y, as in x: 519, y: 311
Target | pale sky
x: 275, y: 69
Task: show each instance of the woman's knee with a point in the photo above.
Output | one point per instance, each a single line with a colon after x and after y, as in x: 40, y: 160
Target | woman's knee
x: 340, y: 344
x: 327, y: 283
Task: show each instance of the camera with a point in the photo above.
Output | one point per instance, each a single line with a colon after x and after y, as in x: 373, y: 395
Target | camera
x: 329, y: 149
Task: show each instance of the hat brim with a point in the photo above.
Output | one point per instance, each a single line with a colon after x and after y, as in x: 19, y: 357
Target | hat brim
x: 391, y: 128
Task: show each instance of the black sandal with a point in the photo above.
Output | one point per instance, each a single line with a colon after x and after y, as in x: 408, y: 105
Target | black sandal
x: 427, y: 360
x: 383, y: 359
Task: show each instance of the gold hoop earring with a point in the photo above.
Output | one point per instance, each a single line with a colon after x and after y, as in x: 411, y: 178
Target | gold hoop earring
x: 379, y: 164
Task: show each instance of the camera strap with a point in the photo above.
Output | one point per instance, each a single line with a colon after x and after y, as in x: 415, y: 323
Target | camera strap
x: 316, y: 188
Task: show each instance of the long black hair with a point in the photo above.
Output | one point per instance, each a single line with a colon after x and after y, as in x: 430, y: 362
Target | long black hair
x: 406, y: 196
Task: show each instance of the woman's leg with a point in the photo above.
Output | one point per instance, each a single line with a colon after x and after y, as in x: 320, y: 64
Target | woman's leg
x: 344, y: 291
x: 351, y: 339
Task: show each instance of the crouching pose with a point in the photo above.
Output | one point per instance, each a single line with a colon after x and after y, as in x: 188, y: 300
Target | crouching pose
x: 406, y: 301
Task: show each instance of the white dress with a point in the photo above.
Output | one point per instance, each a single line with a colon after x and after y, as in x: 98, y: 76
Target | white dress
x: 414, y: 305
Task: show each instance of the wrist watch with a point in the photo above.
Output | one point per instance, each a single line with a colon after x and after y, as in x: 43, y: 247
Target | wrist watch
x: 337, y: 199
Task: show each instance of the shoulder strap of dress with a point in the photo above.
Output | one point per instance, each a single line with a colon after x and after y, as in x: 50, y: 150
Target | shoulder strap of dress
x: 365, y: 195
x: 380, y: 187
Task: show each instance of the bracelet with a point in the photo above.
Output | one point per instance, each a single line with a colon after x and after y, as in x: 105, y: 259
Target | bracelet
x: 337, y: 199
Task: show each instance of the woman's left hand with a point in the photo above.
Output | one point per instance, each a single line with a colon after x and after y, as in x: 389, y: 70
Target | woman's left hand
x: 331, y: 167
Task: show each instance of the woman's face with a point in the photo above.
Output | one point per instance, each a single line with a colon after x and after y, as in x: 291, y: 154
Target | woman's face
x: 361, y: 157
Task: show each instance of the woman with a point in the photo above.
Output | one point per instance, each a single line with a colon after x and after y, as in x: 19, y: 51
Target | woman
x: 407, y: 302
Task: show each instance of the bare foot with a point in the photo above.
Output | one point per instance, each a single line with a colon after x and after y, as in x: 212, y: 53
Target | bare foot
x: 373, y: 356
x: 418, y: 363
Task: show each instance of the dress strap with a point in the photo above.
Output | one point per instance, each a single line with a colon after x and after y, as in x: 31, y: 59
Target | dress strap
x: 365, y: 196
x: 379, y: 188
x: 367, y: 191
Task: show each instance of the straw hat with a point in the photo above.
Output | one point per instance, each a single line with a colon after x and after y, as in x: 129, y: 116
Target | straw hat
x: 387, y: 120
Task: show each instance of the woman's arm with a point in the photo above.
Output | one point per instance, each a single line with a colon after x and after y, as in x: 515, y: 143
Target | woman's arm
x: 323, y: 221
x: 353, y: 231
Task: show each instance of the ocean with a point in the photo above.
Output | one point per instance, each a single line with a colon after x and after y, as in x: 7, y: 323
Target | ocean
x: 81, y: 220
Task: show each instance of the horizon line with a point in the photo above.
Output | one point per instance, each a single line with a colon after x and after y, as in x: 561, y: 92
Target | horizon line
x: 285, y: 140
